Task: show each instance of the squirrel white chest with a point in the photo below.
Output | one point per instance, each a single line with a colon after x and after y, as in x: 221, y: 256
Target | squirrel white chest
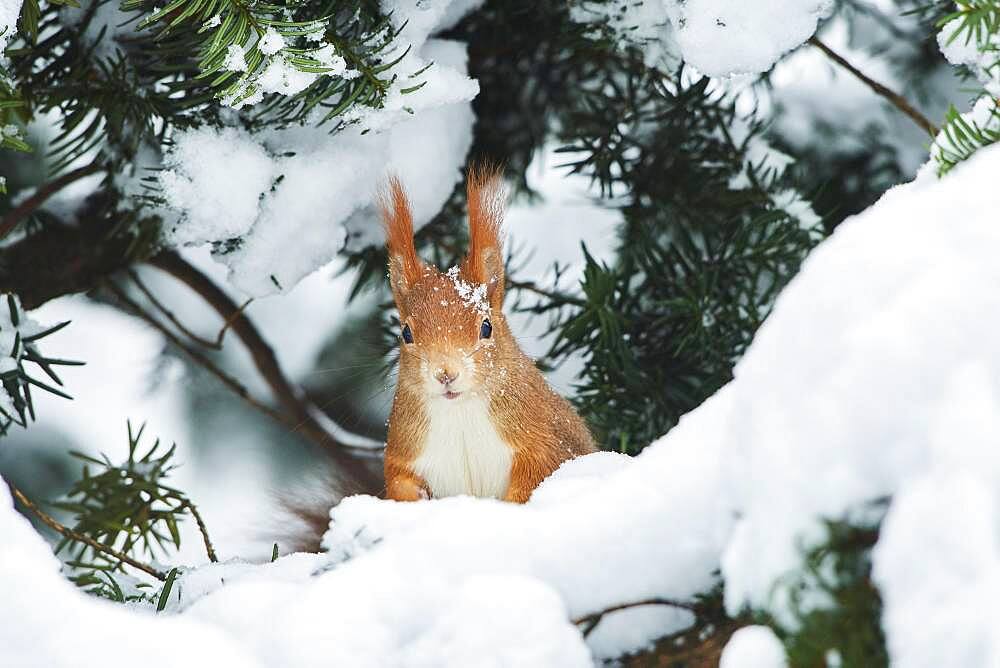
x: 463, y: 453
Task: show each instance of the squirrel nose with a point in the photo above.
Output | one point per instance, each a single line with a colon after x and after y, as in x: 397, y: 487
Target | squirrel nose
x: 446, y: 377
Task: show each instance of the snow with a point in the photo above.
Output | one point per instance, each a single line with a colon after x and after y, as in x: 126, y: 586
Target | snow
x: 279, y: 204
x: 35, y: 630
x: 718, y: 37
x: 724, y: 37
x: 10, y: 10
x: 753, y: 647
x: 272, y: 42
x: 220, y: 202
x: 235, y: 59
x: 890, y: 349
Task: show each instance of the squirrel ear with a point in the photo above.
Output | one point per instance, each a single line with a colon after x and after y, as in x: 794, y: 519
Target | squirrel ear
x: 405, y: 267
x: 484, y: 263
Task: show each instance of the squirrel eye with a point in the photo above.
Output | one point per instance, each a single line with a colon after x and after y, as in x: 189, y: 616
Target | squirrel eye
x: 407, y: 334
x: 486, y: 330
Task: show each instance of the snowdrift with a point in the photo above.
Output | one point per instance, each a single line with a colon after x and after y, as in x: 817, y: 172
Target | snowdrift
x: 878, y: 375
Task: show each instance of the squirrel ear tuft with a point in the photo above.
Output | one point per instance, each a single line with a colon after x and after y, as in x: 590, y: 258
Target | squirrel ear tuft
x: 484, y: 263
x: 405, y: 268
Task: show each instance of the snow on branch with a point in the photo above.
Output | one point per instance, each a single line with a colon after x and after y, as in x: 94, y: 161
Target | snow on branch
x: 719, y: 37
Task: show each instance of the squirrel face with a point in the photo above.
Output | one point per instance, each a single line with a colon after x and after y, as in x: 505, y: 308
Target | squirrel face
x: 452, y: 331
x: 448, y: 334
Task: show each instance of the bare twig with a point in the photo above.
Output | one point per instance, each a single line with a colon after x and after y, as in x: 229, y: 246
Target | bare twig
x: 299, y: 415
x: 214, y: 345
x: 590, y: 622
x: 896, y: 99
x: 15, y: 215
x: 199, y: 358
x: 66, y: 532
x: 310, y: 421
x: 203, y: 529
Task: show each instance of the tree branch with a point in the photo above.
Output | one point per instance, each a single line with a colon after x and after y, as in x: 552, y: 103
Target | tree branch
x: 60, y: 260
x: 298, y: 415
x: 15, y: 215
x: 66, y: 532
x: 198, y: 357
x: 894, y: 98
x: 203, y: 529
x: 214, y: 345
x: 590, y: 622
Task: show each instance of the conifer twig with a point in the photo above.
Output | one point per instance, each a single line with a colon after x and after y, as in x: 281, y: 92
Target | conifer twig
x: 66, y: 532
x: 15, y: 215
x: 196, y: 356
x: 894, y: 98
x: 203, y: 529
x: 590, y: 622
x: 214, y: 345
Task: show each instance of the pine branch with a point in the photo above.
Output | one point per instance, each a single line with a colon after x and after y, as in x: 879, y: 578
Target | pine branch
x: 69, y: 534
x: 209, y: 550
x: 29, y: 205
x: 894, y: 98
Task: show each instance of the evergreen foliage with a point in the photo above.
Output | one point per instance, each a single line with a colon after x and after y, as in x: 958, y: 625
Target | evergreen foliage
x: 974, y: 23
x: 848, y: 630
x: 15, y: 377
x: 699, y: 261
x: 128, y: 509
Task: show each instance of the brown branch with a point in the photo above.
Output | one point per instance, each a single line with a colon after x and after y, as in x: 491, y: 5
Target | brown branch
x: 15, y: 215
x: 198, y: 357
x: 203, y: 529
x: 896, y: 99
x: 300, y: 415
x: 590, y: 622
x: 214, y: 345
x: 66, y: 532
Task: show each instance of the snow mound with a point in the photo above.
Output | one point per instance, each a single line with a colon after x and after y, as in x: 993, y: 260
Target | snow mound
x: 753, y: 647
x: 877, y: 376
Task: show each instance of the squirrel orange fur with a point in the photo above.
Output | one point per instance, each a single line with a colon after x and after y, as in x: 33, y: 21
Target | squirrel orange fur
x: 471, y: 414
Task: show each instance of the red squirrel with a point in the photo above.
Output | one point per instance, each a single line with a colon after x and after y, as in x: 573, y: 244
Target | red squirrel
x: 471, y: 414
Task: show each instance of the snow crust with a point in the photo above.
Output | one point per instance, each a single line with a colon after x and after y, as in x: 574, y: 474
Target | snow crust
x: 876, y: 376
x: 278, y: 204
x: 719, y: 37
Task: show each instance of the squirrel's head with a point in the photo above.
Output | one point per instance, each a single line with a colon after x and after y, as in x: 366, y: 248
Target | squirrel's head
x: 453, y: 335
